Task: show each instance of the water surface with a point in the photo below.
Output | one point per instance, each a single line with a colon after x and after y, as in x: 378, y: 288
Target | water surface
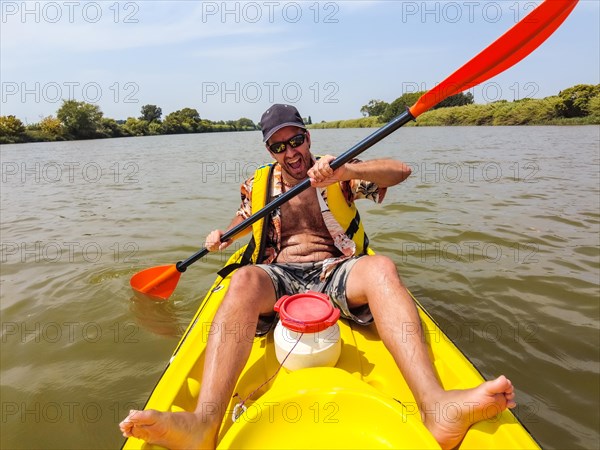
x: 496, y: 232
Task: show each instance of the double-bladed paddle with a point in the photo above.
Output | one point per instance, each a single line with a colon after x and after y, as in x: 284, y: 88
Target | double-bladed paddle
x: 518, y: 42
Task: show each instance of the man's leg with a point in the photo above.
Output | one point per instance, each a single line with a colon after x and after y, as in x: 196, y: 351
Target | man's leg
x: 250, y: 294
x: 399, y: 327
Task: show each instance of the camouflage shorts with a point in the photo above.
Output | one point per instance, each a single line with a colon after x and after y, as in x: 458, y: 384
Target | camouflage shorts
x: 294, y: 278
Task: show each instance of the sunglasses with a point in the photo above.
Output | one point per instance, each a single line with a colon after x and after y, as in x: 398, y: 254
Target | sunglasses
x: 294, y: 141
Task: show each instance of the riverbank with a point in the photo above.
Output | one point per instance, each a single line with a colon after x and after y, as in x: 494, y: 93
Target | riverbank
x: 503, y: 113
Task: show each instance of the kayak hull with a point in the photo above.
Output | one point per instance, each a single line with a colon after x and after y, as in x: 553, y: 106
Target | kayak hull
x: 362, y: 402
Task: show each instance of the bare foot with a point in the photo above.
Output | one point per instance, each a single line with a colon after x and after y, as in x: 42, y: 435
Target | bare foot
x: 174, y: 430
x: 449, y: 418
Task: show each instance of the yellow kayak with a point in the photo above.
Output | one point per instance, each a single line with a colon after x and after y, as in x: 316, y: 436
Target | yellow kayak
x: 362, y: 402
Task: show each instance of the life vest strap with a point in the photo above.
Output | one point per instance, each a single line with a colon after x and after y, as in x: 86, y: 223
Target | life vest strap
x: 243, y: 261
x: 353, y: 226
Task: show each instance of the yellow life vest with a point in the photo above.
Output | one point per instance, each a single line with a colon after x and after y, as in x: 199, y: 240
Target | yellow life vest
x: 346, y: 215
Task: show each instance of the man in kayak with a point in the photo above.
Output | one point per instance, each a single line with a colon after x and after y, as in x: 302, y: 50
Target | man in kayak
x: 305, y: 247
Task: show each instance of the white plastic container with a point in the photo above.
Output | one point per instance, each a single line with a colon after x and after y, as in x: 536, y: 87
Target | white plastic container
x: 307, y: 334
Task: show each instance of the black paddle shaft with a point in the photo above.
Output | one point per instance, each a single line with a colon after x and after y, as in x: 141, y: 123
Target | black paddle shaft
x: 353, y: 152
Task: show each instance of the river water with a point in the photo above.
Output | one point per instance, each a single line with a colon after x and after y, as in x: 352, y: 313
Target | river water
x: 496, y: 232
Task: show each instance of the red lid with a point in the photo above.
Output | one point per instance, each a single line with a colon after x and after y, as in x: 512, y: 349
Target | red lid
x: 308, y: 312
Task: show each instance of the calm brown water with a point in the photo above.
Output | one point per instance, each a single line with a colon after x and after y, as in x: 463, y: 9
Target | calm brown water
x: 496, y: 232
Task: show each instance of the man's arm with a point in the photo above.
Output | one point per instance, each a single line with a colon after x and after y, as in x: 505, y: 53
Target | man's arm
x: 383, y: 172
x: 213, y: 240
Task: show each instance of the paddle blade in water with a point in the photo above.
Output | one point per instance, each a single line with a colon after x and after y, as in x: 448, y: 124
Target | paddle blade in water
x: 157, y: 282
x: 505, y: 52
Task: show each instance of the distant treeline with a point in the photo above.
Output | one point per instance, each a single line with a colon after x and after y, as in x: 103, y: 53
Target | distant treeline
x: 80, y: 120
x: 577, y: 105
x: 74, y: 120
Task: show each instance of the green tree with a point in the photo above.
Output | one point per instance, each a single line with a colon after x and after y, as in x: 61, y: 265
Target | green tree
x: 594, y: 107
x: 459, y: 99
x: 12, y: 130
x: 399, y: 105
x: 151, y: 113
x: 111, y: 128
x: 172, y: 124
x: 135, y: 127
x: 576, y: 99
x: 155, y: 128
x: 81, y: 120
x: 52, y: 128
x: 186, y: 120
x: 245, y: 124
x: 374, y: 108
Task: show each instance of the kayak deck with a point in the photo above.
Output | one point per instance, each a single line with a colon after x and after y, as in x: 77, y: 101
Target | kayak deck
x: 362, y: 402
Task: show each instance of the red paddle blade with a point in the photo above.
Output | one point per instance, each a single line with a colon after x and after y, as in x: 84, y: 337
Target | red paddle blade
x: 158, y: 282
x: 506, y: 51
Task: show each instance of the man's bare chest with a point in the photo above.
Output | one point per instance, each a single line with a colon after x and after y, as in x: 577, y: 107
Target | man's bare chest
x: 302, y: 214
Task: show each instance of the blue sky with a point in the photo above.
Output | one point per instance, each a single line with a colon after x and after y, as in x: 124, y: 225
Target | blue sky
x: 232, y: 59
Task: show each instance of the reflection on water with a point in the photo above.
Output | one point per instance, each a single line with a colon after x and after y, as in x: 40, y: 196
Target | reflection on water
x: 158, y: 317
x: 496, y: 233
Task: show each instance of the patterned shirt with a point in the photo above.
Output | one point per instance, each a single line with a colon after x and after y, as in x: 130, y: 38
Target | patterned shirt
x: 352, y: 190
